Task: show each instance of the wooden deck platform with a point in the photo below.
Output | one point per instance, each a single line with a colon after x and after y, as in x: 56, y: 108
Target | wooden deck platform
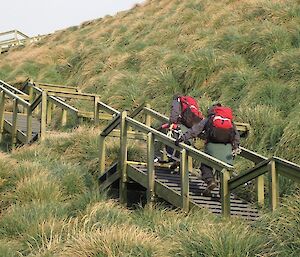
x: 168, y: 187
x: 22, y: 126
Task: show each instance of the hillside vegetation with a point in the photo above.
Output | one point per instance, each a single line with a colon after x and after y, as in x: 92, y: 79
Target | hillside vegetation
x: 243, y: 53
x: 50, y: 206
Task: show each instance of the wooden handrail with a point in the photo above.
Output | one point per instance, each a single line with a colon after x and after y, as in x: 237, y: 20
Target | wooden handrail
x: 248, y: 175
x: 11, y: 88
x: 14, y: 96
x: 207, y: 159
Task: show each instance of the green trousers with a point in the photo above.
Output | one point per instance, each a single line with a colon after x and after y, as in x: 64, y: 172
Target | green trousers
x: 223, y: 152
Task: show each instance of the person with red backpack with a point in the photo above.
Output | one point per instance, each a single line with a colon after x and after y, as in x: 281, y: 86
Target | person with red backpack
x: 222, y: 139
x: 185, y: 111
x: 184, y: 115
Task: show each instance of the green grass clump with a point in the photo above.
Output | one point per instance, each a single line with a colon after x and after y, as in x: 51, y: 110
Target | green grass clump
x: 282, y: 227
x: 39, y: 187
x: 244, y: 54
x: 116, y: 241
x: 47, y: 213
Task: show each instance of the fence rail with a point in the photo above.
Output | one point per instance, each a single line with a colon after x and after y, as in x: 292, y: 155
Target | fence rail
x: 17, y: 38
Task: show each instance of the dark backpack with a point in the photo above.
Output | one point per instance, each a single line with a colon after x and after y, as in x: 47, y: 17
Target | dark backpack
x: 220, y: 126
x: 190, y: 114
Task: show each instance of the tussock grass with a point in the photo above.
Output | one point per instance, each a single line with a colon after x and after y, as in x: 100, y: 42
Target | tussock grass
x: 41, y: 187
x: 282, y: 227
x: 266, y: 127
x: 8, y: 248
x: 244, y: 54
x: 116, y: 242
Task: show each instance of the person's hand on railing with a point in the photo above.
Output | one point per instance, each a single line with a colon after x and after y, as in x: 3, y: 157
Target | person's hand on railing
x: 236, y: 151
x: 179, y: 140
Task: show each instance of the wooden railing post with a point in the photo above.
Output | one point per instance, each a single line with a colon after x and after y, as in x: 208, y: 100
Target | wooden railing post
x: 30, y: 91
x: 260, y: 189
x: 150, y: 169
x: 102, y: 149
x: 148, y: 117
x: 2, y: 102
x: 225, y: 193
x: 274, y: 185
x: 14, y: 124
x: 184, y: 172
x: 96, y: 110
x: 49, y: 112
x: 123, y: 158
x: 190, y: 163
x: 43, y: 115
x: 29, y: 124
x: 64, y: 117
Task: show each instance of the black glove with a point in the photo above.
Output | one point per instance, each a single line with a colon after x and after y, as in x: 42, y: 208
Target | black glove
x: 178, y: 140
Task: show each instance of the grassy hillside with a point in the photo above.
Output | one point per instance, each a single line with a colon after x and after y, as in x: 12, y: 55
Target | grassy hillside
x: 243, y: 53
x: 50, y: 207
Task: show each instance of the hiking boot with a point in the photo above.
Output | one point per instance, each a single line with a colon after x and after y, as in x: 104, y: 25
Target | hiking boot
x: 173, y: 168
x: 174, y: 165
x: 211, y: 185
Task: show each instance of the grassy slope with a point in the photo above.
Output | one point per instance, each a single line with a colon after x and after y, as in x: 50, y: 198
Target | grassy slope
x: 50, y: 207
x: 243, y: 53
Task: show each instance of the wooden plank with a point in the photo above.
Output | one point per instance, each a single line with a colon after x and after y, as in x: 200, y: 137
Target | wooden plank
x: 90, y: 115
x: 225, y: 193
x: 108, y: 108
x: 252, y: 156
x: 64, y: 117
x: 137, y: 111
x: 109, y: 181
x: 80, y: 96
x: 161, y: 190
x: 43, y: 115
x: 2, y: 108
x: 113, y: 124
x: 123, y: 158
x: 260, y: 190
x: 184, y: 180
x: 248, y: 175
x: 61, y: 104
x: 96, y: 110
x: 12, y: 89
x: 42, y: 84
x: 29, y: 125
x: 102, y: 154
x: 288, y: 169
x: 14, y: 96
x: 7, y: 33
x: 150, y: 169
x: 131, y: 135
x: 148, y: 117
x: 22, y: 122
x: 36, y: 102
x: 14, y: 124
x: 274, y: 185
x: 172, y: 195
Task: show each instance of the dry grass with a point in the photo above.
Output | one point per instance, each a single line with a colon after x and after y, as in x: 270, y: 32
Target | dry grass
x: 242, y: 53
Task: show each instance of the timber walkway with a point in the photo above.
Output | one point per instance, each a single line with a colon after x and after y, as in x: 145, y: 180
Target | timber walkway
x: 15, y: 38
x: 33, y: 108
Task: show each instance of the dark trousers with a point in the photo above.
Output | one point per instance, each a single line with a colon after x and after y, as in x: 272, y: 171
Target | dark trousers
x: 220, y: 151
x: 207, y: 173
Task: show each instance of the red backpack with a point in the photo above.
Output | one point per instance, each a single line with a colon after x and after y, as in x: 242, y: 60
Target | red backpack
x: 190, y: 114
x: 220, y: 126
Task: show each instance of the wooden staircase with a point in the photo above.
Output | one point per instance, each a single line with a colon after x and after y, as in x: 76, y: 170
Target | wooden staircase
x: 183, y: 190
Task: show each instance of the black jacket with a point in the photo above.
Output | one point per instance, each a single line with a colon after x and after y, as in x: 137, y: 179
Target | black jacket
x: 198, y: 128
